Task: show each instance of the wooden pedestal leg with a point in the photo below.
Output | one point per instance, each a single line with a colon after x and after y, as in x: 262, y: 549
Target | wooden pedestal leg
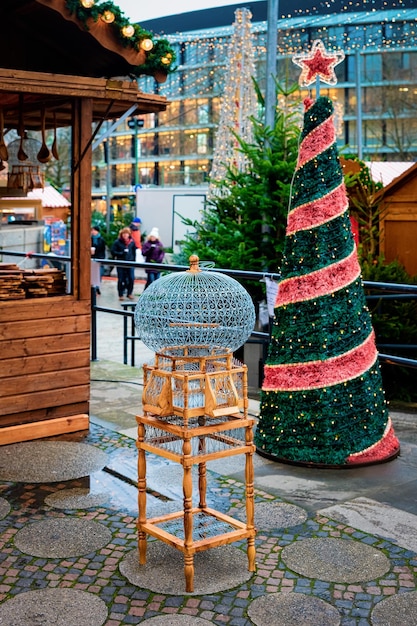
x: 141, y: 494
x: 250, y: 509
x: 202, y: 472
x: 202, y: 485
x: 187, y: 486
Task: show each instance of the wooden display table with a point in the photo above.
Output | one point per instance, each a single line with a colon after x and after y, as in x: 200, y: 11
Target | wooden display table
x: 189, y: 442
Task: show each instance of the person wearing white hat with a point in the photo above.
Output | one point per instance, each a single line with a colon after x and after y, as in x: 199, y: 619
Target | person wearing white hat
x: 153, y: 252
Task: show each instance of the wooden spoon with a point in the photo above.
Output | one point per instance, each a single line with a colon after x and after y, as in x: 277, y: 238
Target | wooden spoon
x: 4, y: 154
x: 54, y: 148
x: 21, y: 154
x: 44, y: 154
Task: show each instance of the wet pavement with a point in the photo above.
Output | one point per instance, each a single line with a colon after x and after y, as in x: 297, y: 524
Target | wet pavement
x: 332, y: 547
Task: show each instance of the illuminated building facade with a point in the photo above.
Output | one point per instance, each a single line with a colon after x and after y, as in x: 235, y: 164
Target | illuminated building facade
x: 377, y: 85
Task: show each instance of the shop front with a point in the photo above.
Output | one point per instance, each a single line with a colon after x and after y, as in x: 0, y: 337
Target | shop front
x: 53, y: 78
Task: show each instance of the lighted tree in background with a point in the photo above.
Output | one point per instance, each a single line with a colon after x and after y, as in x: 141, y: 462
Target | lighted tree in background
x: 322, y: 400
x: 239, y: 102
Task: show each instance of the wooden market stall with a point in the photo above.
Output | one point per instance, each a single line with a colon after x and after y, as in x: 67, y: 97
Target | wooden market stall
x: 78, y: 72
x: 398, y: 223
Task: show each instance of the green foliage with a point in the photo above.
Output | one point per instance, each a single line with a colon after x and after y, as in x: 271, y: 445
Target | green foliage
x: 243, y: 226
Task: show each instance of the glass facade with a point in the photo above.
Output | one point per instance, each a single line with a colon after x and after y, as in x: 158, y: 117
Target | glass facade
x: 175, y: 147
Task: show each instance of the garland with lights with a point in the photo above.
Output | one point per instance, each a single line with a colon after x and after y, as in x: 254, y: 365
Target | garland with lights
x: 322, y: 401
x: 160, y: 56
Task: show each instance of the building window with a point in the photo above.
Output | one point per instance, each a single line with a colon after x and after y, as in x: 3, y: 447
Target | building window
x: 202, y: 143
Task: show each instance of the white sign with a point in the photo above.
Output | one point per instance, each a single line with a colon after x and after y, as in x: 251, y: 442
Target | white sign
x: 271, y: 294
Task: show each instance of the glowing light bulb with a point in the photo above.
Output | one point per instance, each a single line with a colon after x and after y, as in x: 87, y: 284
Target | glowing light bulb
x: 108, y: 17
x: 87, y: 4
x: 146, y: 44
x: 128, y: 30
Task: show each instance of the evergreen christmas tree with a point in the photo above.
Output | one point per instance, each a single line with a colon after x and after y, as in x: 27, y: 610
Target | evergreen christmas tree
x: 322, y: 400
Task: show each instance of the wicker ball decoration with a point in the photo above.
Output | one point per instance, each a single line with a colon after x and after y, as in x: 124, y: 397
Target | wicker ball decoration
x: 194, y: 307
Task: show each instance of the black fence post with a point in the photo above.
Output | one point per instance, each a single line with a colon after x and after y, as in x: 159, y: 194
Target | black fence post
x: 93, y: 324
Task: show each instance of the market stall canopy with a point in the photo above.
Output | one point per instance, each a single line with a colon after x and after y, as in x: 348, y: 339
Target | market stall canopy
x: 50, y: 197
x: 52, y: 54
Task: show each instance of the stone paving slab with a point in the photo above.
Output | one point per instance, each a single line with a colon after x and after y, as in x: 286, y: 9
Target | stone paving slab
x: 335, y: 560
x: 76, y: 498
x: 378, y: 519
x: 4, y: 508
x: 270, y: 515
x: 53, y: 607
x: 292, y: 609
x: 217, y: 569
x: 396, y: 611
x: 62, y: 537
x: 49, y: 461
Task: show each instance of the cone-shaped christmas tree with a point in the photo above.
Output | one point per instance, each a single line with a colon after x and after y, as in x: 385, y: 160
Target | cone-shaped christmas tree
x: 322, y: 399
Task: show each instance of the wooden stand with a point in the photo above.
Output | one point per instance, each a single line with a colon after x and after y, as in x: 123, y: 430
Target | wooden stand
x: 194, y: 441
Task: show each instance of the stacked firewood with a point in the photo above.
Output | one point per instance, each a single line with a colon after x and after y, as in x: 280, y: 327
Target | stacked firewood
x: 11, y: 282
x: 48, y: 281
x: 17, y: 283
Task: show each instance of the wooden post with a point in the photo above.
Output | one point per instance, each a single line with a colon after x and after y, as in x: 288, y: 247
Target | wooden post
x: 81, y: 190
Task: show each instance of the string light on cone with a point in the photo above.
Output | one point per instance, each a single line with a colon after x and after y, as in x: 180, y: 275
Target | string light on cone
x: 318, y: 64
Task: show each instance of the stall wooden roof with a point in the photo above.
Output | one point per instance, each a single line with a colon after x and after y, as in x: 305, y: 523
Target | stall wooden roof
x: 47, y: 56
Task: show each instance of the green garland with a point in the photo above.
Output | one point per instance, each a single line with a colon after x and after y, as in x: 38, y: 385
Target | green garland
x: 160, y: 59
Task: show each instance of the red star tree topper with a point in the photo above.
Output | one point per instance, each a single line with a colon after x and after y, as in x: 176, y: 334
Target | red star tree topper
x: 318, y: 63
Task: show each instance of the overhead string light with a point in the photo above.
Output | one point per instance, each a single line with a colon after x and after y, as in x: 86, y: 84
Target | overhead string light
x: 365, y: 30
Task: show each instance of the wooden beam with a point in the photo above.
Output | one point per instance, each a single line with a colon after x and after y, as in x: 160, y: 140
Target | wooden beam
x: 40, y: 430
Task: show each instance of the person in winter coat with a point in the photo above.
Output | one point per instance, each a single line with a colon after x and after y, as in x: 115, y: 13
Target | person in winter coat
x: 153, y: 252
x: 124, y: 249
x: 137, y: 237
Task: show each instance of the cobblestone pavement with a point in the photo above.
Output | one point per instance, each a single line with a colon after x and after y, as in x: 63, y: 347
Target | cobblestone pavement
x: 332, y: 546
x: 98, y: 572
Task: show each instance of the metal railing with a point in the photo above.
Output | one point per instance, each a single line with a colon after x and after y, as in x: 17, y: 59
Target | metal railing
x: 385, y: 291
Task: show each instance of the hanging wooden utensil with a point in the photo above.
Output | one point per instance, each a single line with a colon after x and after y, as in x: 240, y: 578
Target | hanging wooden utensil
x: 44, y: 154
x: 21, y: 154
x: 4, y: 154
x: 54, y: 148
